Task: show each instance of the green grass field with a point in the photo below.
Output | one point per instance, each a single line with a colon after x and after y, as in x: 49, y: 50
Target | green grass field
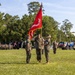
x: 12, y: 62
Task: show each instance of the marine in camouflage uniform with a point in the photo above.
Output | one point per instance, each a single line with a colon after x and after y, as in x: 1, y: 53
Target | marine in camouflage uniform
x: 47, y: 48
x: 28, y: 49
x: 54, y: 47
x: 38, y: 46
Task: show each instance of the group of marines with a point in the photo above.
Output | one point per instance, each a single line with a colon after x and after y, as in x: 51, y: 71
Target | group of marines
x: 41, y: 45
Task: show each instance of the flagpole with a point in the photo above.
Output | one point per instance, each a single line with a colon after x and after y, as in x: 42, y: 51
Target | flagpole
x: 41, y: 32
x: 41, y: 28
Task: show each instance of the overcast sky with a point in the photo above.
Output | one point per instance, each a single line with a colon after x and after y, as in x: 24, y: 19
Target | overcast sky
x: 58, y: 9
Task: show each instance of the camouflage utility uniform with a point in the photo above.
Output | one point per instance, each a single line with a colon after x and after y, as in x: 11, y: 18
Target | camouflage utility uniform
x: 28, y: 50
x: 47, y: 48
x: 38, y: 46
x: 54, y: 47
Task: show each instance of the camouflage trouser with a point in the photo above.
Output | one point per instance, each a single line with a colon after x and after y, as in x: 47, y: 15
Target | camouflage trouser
x: 28, y: 56
x: 42, y: 51
x: 38, y: 53
x: 47, y: 55
x: 54, y: 50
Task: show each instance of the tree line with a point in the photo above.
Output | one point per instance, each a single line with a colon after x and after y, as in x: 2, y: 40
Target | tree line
x: 14, y: 28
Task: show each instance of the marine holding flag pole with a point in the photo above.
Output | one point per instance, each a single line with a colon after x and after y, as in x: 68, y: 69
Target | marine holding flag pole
x: 37, y: 24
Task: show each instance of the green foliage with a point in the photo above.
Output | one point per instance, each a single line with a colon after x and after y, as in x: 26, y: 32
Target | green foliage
x: 33, y: 7
x: 50, y: 26
x: 67, y: 26
x: 27, y: 21
x: 13, y: 28
x: 1, y: 22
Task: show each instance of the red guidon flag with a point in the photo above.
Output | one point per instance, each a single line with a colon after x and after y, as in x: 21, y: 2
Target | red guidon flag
x: 37, y: 24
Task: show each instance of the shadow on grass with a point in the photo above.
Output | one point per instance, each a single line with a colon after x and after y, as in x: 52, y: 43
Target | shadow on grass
x: 19, y: 63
